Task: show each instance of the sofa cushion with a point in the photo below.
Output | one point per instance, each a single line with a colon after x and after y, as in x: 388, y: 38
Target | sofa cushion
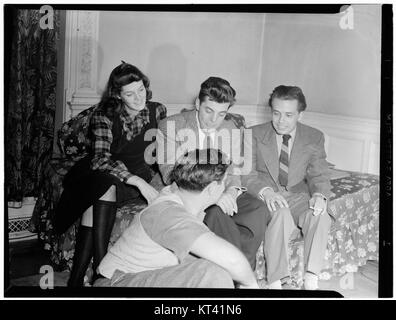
x: 73, y: 138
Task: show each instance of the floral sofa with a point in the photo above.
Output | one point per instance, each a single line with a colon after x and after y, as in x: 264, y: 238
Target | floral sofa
x: 353, y: 239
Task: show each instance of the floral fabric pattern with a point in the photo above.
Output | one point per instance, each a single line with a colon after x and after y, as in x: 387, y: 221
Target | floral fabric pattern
x: 73, y: 138
x: 353, y: 238
x: 30, y: 109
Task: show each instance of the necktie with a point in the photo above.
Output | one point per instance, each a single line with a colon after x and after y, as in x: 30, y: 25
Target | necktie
x: 208, y: 143
x: 284, y: 161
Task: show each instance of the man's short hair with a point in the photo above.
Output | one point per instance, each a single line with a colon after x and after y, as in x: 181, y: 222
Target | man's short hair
x: 217, y: 90
x: 198, y: 168
x: 289, y: 93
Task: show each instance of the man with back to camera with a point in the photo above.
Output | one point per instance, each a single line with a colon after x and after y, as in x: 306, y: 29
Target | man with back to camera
x: 290, y: 174
x: 237, y: 217
x: 168, y: 245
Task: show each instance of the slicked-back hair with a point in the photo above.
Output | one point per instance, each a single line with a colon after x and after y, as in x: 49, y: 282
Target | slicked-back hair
x: 289, y: 93
x: 217, y: 90
x: 198, y: 168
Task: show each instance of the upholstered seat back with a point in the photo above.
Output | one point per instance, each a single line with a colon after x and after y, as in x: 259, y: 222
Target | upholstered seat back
x: 73, y: 138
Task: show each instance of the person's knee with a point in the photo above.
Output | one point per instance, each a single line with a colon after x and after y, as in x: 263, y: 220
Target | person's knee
x: 110, y: 194
x: 325, y: 220
x: 255, y: 204
x: 254, y: 215
x: 213, y: 213
x: 282, y: 215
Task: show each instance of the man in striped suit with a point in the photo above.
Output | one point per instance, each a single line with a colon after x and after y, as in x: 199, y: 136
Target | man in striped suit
x: 290, y: 174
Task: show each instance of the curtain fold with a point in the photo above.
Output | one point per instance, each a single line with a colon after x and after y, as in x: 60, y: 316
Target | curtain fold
x: 30, y: 112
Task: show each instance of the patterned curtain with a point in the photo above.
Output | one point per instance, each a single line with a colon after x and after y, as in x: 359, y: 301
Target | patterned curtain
x: 30, y: 112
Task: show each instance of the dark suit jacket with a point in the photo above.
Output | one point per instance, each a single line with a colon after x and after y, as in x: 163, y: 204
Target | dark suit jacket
x: 179, y: 133
x: 308, y: 169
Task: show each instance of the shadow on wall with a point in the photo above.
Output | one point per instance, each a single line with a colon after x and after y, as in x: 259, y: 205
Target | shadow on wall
x: 100, y: 58
x: 167, y: 72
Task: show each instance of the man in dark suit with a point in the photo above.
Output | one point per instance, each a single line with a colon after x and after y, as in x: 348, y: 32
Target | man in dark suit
x: 290, y: 174
x: 237, y: 217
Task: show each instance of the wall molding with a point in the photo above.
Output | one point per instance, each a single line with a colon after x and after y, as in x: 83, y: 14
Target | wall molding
x: 81, y: 50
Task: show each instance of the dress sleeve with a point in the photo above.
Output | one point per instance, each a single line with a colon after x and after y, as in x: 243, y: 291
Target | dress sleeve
x: 102, y: 139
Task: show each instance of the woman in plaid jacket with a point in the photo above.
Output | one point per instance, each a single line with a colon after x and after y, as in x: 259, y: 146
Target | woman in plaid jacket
x: 115, y: 171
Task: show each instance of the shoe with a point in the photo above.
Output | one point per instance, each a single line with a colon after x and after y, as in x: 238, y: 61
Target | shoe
x: 310, y: 281
x: 287, y: 284
x: 277, y: 285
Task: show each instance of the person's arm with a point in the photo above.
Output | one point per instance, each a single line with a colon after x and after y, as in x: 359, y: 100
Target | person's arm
x: 253, y: 179
x: 234, y: 152
x: 176, y: 230
x: 318, y: 178
x: 102, y: 139
x: 219, y: 251
x: 166, y: 149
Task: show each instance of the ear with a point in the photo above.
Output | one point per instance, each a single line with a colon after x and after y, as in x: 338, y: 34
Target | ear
x: 197, y: 103
x: 300, y: 116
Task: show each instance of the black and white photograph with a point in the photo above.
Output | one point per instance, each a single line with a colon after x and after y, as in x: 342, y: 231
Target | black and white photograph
x: 196, y: 150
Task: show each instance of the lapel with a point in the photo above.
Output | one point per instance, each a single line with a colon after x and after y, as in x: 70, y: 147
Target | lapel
x: 297, y: 151
x: 226, y: 143
x: 191, y: 120
x: 269, y: 150
x: 190, y: 123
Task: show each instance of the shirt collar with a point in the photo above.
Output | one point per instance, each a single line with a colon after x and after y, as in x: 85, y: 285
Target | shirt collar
x: 292, y: 134
x: 204, y: 131
x: 169, y: 193
x: 142, y: 114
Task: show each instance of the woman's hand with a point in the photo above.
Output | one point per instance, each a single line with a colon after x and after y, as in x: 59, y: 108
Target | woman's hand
x: 148, y: 192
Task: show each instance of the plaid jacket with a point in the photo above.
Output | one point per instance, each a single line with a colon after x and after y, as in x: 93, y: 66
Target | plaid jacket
x: 102, y: 138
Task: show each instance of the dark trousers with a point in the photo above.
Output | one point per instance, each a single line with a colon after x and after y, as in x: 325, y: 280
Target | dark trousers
x: 244, y: 229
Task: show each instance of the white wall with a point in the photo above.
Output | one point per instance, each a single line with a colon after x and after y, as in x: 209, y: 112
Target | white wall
x: 338, y: 70
x: 179, y: 50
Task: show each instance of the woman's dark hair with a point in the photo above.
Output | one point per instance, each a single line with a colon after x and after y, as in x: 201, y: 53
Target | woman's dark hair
x: 198, y: 168
x: 109, y: 106
x: 122, y: 75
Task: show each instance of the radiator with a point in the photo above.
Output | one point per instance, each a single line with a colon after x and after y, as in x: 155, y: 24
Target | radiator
x: 18, y: 221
